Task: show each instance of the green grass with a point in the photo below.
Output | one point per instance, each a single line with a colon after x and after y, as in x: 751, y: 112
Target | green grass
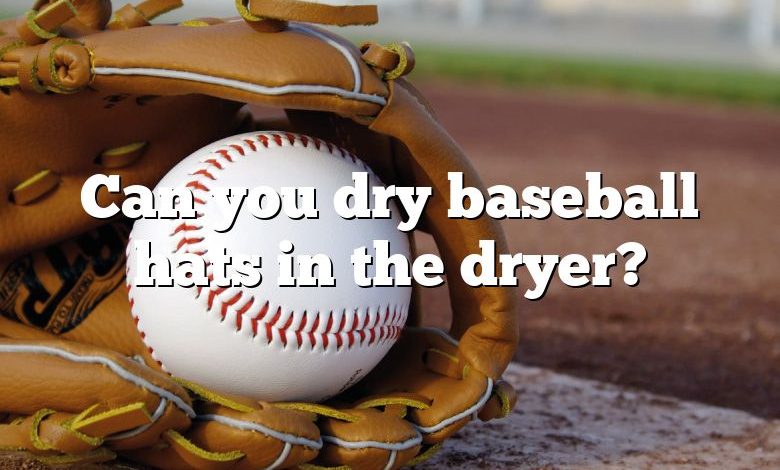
x: 679, y: 81
x: 539, y: 71
x: 6, y: 13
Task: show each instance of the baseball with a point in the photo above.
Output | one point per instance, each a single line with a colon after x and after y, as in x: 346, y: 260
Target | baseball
x: 268, y: 342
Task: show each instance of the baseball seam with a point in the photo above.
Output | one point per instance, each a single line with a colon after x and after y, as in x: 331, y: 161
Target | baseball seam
x: 136, y: 319
x: 328, y: 329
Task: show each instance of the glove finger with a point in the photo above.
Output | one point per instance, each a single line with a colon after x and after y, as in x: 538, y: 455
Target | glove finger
x: 236, y: 434
x: 363, y: 438
x: 49, y: 437
x: 501, y: 403
x: 111, y: 397
x: 455, y: 404
x: 426, y: 362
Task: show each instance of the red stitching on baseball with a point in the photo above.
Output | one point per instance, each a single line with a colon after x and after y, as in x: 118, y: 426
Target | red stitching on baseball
x: 204, y: 173
x: 230, y: 302
x: 241, y: 311
x: 251, y: 144
x: 380, y: 328
x: 136, y: 319
x: 238, y: 149
x: 184, y: 226
x: 197, y: 185
x: 214, y: 163
x: 187, y: 241
x: 225, y: 154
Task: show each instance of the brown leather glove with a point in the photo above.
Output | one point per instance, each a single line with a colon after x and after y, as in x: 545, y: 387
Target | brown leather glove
x: 83, y: 94
x: 73, y: 348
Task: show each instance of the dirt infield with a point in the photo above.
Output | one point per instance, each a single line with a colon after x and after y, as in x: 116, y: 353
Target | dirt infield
x: 566, y: 423
x: 704, y: 324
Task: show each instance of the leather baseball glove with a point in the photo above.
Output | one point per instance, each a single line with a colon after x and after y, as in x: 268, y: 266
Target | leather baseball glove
x: 85, y: 91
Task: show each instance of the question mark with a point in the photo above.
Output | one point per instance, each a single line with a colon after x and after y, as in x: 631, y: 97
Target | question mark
x: 639, y: 256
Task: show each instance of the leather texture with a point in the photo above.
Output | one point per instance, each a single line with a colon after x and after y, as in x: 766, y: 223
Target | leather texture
x: 78, y: 384
x: 314, y: 11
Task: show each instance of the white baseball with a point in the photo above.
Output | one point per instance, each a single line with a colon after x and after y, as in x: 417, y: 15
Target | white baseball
x: 269, y: 342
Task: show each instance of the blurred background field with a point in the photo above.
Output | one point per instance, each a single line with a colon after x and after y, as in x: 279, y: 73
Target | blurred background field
x: 722, y: 50
x: 540, y: 91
